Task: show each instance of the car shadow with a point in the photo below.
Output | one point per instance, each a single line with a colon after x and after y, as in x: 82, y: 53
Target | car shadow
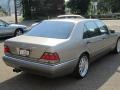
x: 100, y: 72
x: 2, y: 39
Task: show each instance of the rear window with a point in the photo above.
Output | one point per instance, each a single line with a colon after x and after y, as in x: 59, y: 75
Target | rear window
x: 52, y: 29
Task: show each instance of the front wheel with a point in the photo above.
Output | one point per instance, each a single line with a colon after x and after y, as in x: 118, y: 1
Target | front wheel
x: 82, y: 67
x: 18, y: 32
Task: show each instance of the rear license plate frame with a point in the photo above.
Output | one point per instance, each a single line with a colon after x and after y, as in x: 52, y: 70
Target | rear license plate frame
x: 24, y: 52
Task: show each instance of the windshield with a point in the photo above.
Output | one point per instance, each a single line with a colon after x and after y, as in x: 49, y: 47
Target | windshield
x: 52, y: 29
x: 3, y: 23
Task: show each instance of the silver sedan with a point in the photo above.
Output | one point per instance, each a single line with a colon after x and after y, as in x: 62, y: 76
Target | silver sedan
x: 7, y: 29
x: 59, y: 47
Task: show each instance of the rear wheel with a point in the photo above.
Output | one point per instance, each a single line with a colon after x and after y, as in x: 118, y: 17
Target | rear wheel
x: 18, y: 32
x: 82, y: 67
x: 117, y: 49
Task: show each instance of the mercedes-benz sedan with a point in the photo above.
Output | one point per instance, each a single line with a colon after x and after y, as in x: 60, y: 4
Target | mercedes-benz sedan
x: 59, y: 47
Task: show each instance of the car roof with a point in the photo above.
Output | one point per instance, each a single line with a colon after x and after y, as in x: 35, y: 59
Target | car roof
x: 71, y: 20
x: 69, y: 15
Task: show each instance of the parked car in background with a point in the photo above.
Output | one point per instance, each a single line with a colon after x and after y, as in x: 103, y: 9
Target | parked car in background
x: 7, y: 29
x: 61, y: 46
x: 34, y: 24
x: 70, y: 16
x: 61, y: 17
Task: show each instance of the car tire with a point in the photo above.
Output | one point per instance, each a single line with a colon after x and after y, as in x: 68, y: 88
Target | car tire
x: 18, y: 32
x: 82, y: 67
x: 117, y: 48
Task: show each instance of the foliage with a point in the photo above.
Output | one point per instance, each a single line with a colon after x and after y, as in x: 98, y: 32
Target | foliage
x: 106, y: 6
x: 2, y: 12
x: 78, y: 6
x: 84, y: 6
x: 115, y: 5
x: 33, y: 9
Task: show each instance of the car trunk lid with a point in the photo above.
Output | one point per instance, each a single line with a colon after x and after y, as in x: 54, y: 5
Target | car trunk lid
x: 33, y: 47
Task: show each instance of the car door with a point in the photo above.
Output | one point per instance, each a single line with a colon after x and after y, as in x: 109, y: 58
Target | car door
x: 108, y: 39
x: 93, y: 39
x: 6, y: 30
x: 2, y: 31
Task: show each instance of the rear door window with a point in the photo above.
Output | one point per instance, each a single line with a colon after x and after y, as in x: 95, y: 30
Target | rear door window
x: 102, y: 26
x: 91, y: 30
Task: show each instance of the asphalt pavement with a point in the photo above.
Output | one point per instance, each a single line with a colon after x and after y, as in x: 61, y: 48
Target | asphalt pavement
x: 104, y: 74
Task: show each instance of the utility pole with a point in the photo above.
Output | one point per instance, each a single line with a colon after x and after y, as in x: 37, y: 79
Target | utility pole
x: 9, y: 8
x: 16, y: 20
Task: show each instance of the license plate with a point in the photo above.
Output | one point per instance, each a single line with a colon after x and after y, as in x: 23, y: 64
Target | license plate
x: 23, y: 52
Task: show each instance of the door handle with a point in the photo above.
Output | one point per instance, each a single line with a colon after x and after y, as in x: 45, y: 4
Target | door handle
x: 88, y: 42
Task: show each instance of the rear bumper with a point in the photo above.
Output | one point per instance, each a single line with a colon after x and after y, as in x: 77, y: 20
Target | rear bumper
x: 42, y: 69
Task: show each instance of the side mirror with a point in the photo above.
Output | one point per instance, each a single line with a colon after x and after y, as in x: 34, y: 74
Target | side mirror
x: 112, y: 31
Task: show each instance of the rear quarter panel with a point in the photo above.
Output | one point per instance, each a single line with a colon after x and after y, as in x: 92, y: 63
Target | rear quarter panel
x: 74, y: 46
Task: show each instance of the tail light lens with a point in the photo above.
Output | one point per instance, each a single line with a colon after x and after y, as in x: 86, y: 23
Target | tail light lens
x: 50, y: 56
x: 6, y: 49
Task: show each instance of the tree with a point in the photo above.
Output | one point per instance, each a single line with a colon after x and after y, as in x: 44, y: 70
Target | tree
x: 9, y: 9
x: 26, y: 9
x: 33, y: 9
x: 2, y: 11
x: 106, y: 6
x: 78, y: 6
x: 115, y: 5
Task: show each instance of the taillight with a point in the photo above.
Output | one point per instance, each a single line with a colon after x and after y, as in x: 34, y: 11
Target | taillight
x: 50, y: 56
x: 6, y: 49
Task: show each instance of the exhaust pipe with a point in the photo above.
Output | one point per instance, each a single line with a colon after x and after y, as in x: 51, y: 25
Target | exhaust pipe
x: 16, y: 70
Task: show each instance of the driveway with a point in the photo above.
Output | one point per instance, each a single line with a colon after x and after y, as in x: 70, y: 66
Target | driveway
x: 104, y: 74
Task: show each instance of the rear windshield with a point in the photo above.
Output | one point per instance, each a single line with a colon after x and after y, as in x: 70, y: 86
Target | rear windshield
x: 52, y: 29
